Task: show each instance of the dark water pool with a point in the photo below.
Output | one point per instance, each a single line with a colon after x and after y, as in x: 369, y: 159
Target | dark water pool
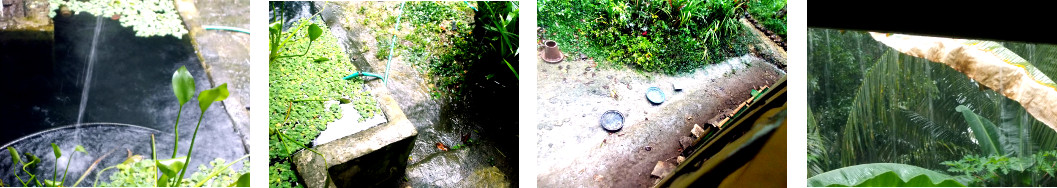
x: 130, y: 83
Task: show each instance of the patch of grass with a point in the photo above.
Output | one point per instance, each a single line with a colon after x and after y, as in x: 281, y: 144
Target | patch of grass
x: 433, y: 37
x: 668, y: 36
x: 770, y: 14
x: 300, y: 78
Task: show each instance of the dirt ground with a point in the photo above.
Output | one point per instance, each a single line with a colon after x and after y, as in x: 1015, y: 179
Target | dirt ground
x: 574, y: 151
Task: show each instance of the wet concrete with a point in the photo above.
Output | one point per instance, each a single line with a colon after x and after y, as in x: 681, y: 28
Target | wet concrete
x: 226, y: 56
x: 127, y: 87
x: 575, y: 151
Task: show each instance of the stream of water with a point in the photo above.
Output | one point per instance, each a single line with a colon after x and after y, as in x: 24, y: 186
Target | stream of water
x: 87, y: 79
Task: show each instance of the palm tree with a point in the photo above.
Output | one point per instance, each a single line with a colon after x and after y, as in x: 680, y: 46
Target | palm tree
x: 904, y: 112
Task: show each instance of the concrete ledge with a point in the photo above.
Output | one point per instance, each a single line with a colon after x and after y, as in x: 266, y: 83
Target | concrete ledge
x: 370, y: 157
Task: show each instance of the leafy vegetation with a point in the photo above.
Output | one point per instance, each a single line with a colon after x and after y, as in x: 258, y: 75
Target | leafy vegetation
x: 1000, y: 170
x: 770, y: 13
x: 299, y: 86
x: 133, y: 173
x: 670, y: 36
x: 883, y: 175
x: 29, y: 167
x: 147, y: 173
x: 878, y: 106
x: 147, y: 17
x: 449, y: 46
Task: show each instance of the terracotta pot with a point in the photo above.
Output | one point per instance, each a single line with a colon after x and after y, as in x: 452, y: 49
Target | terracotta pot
x: 551, y: 53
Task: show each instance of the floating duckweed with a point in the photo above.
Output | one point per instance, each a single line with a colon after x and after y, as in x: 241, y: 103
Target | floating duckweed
x: 147, y: 17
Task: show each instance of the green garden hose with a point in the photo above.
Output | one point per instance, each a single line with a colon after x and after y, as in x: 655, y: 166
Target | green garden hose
x: 225, y: 28
x: 353, y: 75
x: 393, y: 44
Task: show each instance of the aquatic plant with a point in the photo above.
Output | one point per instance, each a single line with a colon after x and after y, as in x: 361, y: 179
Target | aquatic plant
x: 139, y: 172
x: 299, y: 87
x: 147, y: 17
x: 277, y: 43
x: 33, y: 180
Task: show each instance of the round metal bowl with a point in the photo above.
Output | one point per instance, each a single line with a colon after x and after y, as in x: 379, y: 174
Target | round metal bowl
x: 612, y: 121
x: 655, y: 95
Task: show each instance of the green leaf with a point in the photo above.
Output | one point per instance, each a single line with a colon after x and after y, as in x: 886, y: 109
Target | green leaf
x: 80, y: 148
x: 49, y: 183
x: 275, y: 27
x: 33, y: 160
x: 209, y: 96
x: 244, y: 181
x: 314, y: 31
x: 883, y: 175
x: 15, y: 158
x: 983, y: 130
x: 58, y: 152
x: 164, y: 181
x: 170, y: 167
x: 183, y: 85
x: 322, y: 59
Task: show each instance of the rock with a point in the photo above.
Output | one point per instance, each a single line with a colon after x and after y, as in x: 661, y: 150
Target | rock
x: 662, y: 169
x: 686, y: 141
x: 698, y: 131
x: 680, y: 159
x: 676, y: 86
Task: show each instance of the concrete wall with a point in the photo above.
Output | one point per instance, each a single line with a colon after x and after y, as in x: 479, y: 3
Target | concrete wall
x: 376, y: 156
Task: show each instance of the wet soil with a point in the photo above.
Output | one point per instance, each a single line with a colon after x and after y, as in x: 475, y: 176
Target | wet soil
x: 574, y: 150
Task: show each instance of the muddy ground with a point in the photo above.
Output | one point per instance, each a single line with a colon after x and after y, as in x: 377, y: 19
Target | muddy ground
x: 574, y: 150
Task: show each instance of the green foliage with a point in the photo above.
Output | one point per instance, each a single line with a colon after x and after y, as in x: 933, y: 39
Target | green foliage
x: 652, y: 35
x: 767, y: 13
x: 30, y: 167
x: 142, y: 174
x: 1004, y: 171
x: 984, y: 131
x: 244, y: 181
x: 500, y: 25
x: 883, y: 175
x: 277, y: 40
x: 282, y: 175
x: 314, y: 31
x: 15, y: 158
x: 183, y: 85
x: 170, y: 167
x: 871, y: 105
x: 450, y: 47
x: 301, y: 77
x: 147, y: 17
x: 216, y: 94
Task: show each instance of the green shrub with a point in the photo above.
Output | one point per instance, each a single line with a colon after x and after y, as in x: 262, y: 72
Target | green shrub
x: 653, y: 35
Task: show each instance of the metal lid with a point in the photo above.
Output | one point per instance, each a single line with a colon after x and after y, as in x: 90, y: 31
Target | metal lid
x: 612, y: 121
x: 655, y: 95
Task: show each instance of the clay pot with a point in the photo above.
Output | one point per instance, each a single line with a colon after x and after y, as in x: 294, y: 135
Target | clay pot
x: 551, y: 53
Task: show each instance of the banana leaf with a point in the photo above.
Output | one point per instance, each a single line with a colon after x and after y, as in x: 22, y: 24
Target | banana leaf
x: 883, y: 175
x: 989, y: 63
